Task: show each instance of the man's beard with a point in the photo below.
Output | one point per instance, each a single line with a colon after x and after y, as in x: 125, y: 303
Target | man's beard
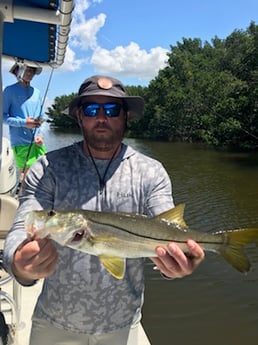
x: 102, y: 142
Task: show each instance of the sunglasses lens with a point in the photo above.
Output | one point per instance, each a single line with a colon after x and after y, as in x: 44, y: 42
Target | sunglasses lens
x: 110, y: 109
x: 91, y: 110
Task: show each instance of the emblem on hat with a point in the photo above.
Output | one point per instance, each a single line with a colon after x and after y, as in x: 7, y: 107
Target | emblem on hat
x: 105, y: 83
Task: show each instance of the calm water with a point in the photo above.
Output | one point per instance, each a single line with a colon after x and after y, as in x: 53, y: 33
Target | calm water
x: 216, y: 305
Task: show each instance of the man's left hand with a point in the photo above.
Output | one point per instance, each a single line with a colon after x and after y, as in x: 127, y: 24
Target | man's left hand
x: 174, y: 263
x: 39, y: 140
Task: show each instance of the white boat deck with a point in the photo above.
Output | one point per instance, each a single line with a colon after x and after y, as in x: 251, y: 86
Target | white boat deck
x: 28, y: 299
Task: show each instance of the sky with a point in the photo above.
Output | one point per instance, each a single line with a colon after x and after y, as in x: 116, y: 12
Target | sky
x: 130, y: 39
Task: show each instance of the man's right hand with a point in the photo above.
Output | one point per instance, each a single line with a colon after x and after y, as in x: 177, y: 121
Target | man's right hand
x: 33, y: 123
x: 34, y: 260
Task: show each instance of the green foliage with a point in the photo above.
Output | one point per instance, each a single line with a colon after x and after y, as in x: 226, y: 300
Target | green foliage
x: 57, y: 115
x: 207, y: 93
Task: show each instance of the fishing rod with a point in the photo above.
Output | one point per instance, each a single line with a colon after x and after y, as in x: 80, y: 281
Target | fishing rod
x: 34, y: 130
x: 241, y: 128
x: 249, y: 133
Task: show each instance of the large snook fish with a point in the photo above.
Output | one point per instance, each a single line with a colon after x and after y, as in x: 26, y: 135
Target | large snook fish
x: 113, y: 237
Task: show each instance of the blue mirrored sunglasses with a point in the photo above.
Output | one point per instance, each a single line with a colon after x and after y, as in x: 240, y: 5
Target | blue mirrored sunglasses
x: 110, y: 109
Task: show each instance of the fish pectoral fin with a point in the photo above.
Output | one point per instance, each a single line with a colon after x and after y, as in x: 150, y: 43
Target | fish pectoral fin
x: 114, y: 265
x: 174, y: 215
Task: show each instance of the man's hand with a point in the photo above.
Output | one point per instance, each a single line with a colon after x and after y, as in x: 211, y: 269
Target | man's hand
x: 33, y: 123
x: 39, y: 140
x: 174, y: 263
x: 34, y: 260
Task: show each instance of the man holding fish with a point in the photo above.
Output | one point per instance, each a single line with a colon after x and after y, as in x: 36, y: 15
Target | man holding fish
x: 92, y: 297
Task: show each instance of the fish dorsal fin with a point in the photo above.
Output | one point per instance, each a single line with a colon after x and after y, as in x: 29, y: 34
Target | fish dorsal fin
x: 174, y: 215
x: 114, y: 265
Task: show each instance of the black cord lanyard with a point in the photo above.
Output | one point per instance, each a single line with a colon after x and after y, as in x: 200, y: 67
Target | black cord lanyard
x: 102, y: 179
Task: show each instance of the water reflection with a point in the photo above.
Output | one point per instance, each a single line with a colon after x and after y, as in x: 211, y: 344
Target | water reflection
x: 217, y: 305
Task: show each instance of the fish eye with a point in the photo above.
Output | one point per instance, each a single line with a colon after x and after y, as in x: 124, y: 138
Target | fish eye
x: 51, y: 213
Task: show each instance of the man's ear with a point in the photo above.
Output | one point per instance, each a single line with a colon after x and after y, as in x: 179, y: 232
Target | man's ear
x: 79, y: 117
x: 127, y: 114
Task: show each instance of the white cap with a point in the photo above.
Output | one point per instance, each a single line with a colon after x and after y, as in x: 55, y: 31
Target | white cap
x: 19, y: 68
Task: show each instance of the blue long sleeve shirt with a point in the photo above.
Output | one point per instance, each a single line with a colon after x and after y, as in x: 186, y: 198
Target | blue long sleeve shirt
x: 20, y: 102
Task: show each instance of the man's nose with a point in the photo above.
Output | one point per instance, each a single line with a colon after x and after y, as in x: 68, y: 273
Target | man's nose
x: 101, y: 114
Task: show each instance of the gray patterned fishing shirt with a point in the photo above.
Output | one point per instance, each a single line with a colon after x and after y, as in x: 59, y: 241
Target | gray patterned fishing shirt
x: 81, y: 296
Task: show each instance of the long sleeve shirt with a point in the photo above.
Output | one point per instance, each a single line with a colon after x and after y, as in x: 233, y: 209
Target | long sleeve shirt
x: 20, y: 102
x: 81, y: 296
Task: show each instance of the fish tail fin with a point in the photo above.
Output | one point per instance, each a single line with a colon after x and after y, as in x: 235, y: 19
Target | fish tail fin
x: 233, y: 250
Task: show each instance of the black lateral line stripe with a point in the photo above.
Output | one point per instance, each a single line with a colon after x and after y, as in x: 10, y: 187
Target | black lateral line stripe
x: 150, y: 237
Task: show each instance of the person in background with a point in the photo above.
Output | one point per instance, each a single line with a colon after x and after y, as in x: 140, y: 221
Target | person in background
x: 81, y: 303
x: 23, y: 113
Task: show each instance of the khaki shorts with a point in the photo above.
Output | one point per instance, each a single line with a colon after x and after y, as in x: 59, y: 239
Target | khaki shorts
x: 25, y: 160
x: 42, y: 333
